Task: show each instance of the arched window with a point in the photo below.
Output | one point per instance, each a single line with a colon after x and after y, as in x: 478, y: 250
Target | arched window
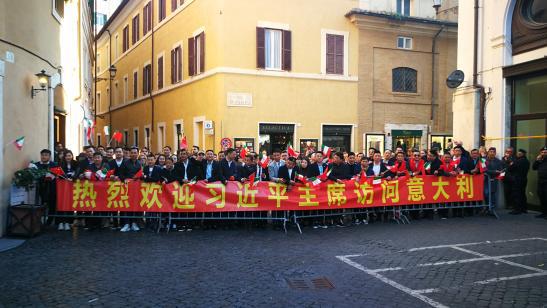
x: 404, y: 79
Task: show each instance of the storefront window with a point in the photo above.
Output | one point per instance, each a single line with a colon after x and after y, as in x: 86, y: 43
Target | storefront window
x: 337, y: 137
x: 275, y: 136
x: 242, y: 142
x: 529, y: 119
x: 440, y: 143
x: 406, y: 139
x: 375, y: 141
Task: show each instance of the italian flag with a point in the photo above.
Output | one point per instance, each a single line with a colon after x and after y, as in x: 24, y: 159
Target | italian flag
x: 193, y: 181
x: 300, y: 177
x: 427, y: 166
x: 482, y: 165
x: 326, y: 151
x: 291, y: 151
x: 501, y: 176
x: 101, y: 174
x: 243, y: 152
x: 324, y: 175
x: 315, y: 181
x: 19, y: 142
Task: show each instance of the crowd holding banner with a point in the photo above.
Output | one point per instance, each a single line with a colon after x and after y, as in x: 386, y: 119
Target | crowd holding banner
x: 135, y: 180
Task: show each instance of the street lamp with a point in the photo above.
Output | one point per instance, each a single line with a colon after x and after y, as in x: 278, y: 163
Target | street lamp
x: 43, y: 80
x: 437, y: 5
x: 112, y: 71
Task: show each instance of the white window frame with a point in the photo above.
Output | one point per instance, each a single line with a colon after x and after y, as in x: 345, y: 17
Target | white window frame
x: 125, y: 137
x: 125, y: 88
x: 116, y: 50
x: 133, y: 84
x: 135, y: 136
x: 175, y: 123
x: 177, y: 44
x: 403, y: 7
x: 161, y: 144
x: 98, y: 62
x: 324, y: 33
x: 405, y: 40
x: 54, y: 12
x: 272, y: 55
x: 147, y: 137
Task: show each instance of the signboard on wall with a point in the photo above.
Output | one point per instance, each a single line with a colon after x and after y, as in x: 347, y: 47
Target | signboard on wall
x: 237, y: 99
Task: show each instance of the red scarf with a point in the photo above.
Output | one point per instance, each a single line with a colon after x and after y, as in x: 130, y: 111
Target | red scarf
x: 399, y: 167
x: 420, y: 167
x: 448, y: 167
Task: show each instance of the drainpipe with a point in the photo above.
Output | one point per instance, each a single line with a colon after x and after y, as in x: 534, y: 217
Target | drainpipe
x: 476, y: 85
x: 109, y: 79
x: 433, y: 85
x: 152, y: 74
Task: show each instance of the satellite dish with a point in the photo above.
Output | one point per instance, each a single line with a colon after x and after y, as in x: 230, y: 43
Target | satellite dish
x: 455, y: 79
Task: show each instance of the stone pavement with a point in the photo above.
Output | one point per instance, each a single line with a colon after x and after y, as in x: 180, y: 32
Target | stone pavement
x: 459, y: 262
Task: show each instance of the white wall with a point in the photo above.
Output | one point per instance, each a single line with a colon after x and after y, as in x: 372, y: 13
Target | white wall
x: 419, y: 8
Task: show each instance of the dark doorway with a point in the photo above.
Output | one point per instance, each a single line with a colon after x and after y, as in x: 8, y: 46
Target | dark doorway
x: 275, y: 136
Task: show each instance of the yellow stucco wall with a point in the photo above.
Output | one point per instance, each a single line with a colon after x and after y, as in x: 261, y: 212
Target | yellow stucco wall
x: 302, y: 96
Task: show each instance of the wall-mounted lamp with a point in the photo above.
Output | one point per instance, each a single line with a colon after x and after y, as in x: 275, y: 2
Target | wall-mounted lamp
x: 43, y: 80
x: 437, y: 5
x: 112, y: 71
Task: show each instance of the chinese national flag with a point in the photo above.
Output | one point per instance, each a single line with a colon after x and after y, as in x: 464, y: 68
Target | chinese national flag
x: 252, y: 179
x: 183, y: 143
x: 58, y: 171
x: 363, y: 177
x: 109, y: 173
x: 117, y: 136
x: 324, y: 175
x: 243, y: 152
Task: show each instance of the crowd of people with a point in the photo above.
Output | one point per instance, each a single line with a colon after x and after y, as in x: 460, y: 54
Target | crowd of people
x: 124, y: 163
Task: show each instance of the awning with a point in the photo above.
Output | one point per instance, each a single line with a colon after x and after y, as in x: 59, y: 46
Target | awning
x: 406, y: 133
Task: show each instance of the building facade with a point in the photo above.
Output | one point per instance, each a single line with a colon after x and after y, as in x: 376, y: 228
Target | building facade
x: 32, y: 33
x: 503, y: 95
x: 264, y: 78
x: 403, y: 64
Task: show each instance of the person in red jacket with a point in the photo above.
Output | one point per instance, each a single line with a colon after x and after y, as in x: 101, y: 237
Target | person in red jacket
x: 416, y: 164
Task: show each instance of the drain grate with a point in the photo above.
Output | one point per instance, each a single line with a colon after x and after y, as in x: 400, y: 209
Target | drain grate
x: 321, y: 283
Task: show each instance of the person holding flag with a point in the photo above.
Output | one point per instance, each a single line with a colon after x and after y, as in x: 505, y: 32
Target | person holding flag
x: 246, y: 169
x: 460, y: 162
x: 433, y: 162
x: 400, y: 168
x: 228, y: 166
x: 262, y: 168
x: 339, y: 170
x: 132, y: 166
x: 477, y: 164
x: 69, y: 165
x: 287, y: 173
x: 317, y: 167
x: 273, y: 168
x: 354, y: 167
x: 447, y: 168
x: 97, y: 170
x: 377, y: 168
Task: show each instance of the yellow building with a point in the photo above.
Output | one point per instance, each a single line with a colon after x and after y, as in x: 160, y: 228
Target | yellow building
x: 258, y: 72
x: 31, y: 35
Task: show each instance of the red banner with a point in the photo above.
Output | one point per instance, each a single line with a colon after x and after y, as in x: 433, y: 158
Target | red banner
x: 136, y: 196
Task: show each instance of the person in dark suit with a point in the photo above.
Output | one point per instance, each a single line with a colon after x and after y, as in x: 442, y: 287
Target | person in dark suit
x: 69, y: 165
x: 185, y: 169
x: 461, y: 162
x: 317, y: 167
x: 117, y: 164
x: 287, y: 172
x: 377, y: 167
x: 354, y: 167
x: 210, y: 167
x: 304, y: 167
x: 474, y: 162
x: 433, y: 162
x: 338, y: 170
x: 46, y: 189
x: 519, y: 169
x: 97, y: 165
x: 151, y: 173
x: 168, y: 174
x: 246, y: 169
x: 228, y: 166
x: 131, y: 166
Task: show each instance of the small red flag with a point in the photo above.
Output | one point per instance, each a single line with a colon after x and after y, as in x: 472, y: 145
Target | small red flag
x: 243, y: 152
x: 117, y: 136
x: 58, y: 171
x: 183, y: 143
x: 252, y: 179
x: 291, y: 151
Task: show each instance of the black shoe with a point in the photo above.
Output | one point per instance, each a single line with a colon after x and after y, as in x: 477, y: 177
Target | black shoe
x: 541, y: 216
x: 515, y: 212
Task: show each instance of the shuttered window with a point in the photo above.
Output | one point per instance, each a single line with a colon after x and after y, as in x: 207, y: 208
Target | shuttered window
x: 176, y: 65
x: 160, y: 72
x: 335, y: 54
x: 135, y: 33
x: 135, y: 84
x: 196, y: 54
x: 174, y: 4
x: 147, y: 18
x: 161, y: 10
x: 125, y: 42
x: 147, y: 79
x: 273, y: 49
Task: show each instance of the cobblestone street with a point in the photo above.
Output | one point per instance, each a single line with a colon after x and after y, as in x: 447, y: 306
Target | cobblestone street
x: 475, y: 261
